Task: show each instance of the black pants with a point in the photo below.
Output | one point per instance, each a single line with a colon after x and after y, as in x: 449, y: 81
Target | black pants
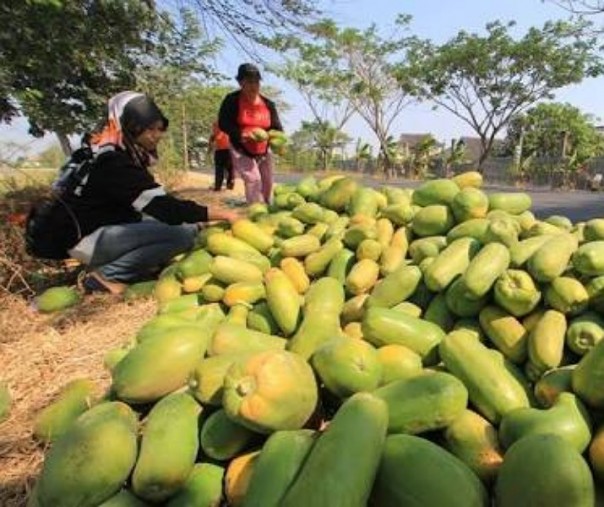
x: 223, y: 167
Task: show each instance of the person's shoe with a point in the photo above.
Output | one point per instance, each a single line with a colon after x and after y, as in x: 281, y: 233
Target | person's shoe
x: 217, y: 189
x: 230, y: 186
x: 94, y: 282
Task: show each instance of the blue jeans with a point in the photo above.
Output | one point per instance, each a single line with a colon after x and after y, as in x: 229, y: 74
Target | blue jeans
x: 130, y: 252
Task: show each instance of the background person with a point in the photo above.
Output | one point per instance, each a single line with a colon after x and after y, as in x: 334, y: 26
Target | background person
x: 100, y: 221
x: 223, y: 167
x: 240, y: 113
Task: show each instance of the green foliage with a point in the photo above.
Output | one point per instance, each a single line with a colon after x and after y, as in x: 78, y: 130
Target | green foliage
x: 353, y: 67
x: 549, y: 128
x: 485, y: 80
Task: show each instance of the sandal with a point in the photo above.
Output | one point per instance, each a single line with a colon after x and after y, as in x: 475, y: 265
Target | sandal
x: 93, y: 282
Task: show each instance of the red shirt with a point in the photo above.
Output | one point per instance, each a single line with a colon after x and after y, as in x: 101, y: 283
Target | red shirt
x: 251, y: 116
x: 221, y: 139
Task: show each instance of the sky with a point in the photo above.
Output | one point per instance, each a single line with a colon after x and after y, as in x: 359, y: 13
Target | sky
x: 437, y: 20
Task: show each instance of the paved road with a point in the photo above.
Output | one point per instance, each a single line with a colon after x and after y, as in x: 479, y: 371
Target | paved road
x: 577, y: 205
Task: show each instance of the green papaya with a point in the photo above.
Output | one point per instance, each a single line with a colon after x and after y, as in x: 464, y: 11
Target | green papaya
x: 222, y: 439
x: 202, y: 489
x: 56, y: 299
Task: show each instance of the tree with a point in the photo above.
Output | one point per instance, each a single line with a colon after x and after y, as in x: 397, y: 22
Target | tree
x: 487, y: 80
x: 324, y: 139
x: 362, y: 154
x: 356, y: 65
x: 582, y: 7
x: 258, y: 21
x: 58, y: 68
x: 555, y: 131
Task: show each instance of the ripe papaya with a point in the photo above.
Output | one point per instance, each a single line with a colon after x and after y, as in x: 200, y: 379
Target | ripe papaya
x: 257, y: 391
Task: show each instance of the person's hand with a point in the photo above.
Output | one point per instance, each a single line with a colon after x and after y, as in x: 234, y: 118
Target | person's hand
x: 218, y: 214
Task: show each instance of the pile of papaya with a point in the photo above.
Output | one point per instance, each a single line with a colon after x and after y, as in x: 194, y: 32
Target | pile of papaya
x: 349, y: 346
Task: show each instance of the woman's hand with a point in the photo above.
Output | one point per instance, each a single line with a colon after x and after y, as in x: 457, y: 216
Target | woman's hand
x: 218, y: 214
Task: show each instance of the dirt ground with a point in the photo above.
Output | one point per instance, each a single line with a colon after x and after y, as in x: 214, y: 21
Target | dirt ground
x: 41, y: 353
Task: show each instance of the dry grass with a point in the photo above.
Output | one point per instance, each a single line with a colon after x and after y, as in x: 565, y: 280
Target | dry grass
x: 41, y: 353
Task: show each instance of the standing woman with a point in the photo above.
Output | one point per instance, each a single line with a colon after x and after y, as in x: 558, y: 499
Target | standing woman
x: 241, y: 112
x: 116, y: 219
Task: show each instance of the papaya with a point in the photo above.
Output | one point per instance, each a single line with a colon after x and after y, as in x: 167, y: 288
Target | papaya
x: 584, y: 332
x: 567, y: 418
x: 207, y: 379
x: 424, y: 402
x: 384, y: 326
x: 395, y: 287
x: 594, y: 229
x: 231, y: 338
x: 309, y: 213
x: 431, y: 246
x: 363, y: 202
x: 339, y: 194
x: 546, y: 341
x: 103, y: 438
x: 140, y: 290
x: 596, y: 455
x: 589, y: 258
x: 159, y: 324
x: 408, y: 308
x: 353, y: 330
x: 340, y: 445
x: 469, y: 203
x: 595, y: 290
x: 398, y: 362
x: 300, y: 246
x: 473, y: 228
x: 474, y: 441
x: 261, y: 319
x: 511, y: 202
x: 515, y: 292
x: 438, y: 191
x: 54, y: 420
x: 401, y: 213
x: 246, y: 230
x: 238, y: 476
x: 588, y: 377
x: 202, y: 489
x: 354, y: 309
x: 282, y: 299
x: 195, y: 283
x: 551, y: 384
x: 369, y: 249
x: 552, y: 258
x: 243, y: 292
x: 161, y: 364
x: 433, y: 220
x: 439, y: 312
x: 468, y: 179
x: 257, y: 391
x: 169, y: 447
x: 316, y: 263
x: 184, y: 303
x: 460, y: 302
x: 544, y: 470
x: 221, y: 243
x: 560, y: 221
x: 485, y: 267
x: 222, y: 439
x: 504, y: 231
x: 450, y: 263
x: 493, y: 389
x: 346, y: 366
x: 341, y: 264
x: 406, y: 476
x: 279, y: 462
x: 567, y: 295
x: 230, y: 270
x: 522, y: 251
x: 195, y: 263
x: 294, y: 270
x: 506, y: 333
x: 56, y: 299
x: 124, y: 498
x: 321, y: 322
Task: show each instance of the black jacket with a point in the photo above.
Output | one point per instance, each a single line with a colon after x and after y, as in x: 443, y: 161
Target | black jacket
x: 227, y: 119
x: 117, y: 192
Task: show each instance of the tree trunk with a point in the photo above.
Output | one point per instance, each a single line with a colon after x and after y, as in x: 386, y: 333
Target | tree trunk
x: 65, y: 144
